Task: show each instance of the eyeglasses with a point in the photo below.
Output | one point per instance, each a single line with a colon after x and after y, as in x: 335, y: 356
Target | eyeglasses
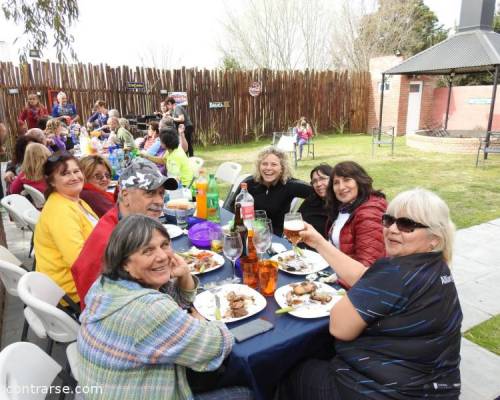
x: 318, y: 180
x: 406, y: 225
x: 100, y: 177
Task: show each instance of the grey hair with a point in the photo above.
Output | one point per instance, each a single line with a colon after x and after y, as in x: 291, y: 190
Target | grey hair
x: 429, y: 209
x: 286, y: 169
x: 131, y: 234
x: 124, y: 123
x: 114, y: 113
x: 60, y: 94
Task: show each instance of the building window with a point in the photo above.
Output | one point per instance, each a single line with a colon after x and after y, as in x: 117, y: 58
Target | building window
x: 387, y: 86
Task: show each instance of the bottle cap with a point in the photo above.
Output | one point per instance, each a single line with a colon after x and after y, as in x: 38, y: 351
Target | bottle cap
x: 243, y: 185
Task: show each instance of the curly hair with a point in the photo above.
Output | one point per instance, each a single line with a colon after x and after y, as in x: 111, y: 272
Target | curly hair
x: 286, y: 169
x: 52, y: 125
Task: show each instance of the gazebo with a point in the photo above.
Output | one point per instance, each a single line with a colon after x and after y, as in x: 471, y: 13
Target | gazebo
x: 474, y: 48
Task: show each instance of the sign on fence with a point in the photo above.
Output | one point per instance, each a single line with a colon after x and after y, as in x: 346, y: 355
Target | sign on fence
x: 136, y: 86
x: 181, y: 98
x: 218, y: 104
x: 255, y: 89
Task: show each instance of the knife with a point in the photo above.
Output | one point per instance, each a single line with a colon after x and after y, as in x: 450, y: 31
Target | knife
x: 218, y: 316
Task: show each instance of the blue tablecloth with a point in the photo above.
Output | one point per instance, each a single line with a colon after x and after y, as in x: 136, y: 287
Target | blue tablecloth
x: 262, y: 361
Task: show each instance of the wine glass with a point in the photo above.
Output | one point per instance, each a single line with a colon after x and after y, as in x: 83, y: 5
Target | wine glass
x: 262, y: 237
x: 232, y: 248
x: 292, y: 226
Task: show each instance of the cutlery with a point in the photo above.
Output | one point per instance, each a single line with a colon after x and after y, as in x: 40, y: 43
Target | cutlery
x: 217, y: 312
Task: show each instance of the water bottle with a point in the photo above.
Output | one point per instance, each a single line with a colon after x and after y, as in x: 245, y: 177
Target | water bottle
x: 246, y: 201
x: 213, y: 213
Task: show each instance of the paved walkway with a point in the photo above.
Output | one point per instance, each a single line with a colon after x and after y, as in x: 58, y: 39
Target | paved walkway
x: 476, y: 269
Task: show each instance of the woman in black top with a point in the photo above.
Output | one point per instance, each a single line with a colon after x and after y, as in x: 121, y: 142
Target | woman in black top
x: 313, y: 208
x: 273, y: 187
x: 397, y: 329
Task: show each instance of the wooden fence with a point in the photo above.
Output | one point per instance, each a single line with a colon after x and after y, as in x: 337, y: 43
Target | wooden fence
x: 330, y: 99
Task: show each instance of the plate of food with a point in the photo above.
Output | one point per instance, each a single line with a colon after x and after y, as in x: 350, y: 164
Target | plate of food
x: 308, y: 263
x: 201, y: 261
x: 173, y: 230
x: 307, y: 299
x: 235, y: 302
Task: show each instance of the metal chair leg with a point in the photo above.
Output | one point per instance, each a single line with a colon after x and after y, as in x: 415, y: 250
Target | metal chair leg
x: 50, y: 345
x: 24, y: 335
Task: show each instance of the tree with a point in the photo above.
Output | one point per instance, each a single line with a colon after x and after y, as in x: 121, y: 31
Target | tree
x: 230, y: 63
x: 392, y: 27
x: 40, y: 19
x: 278, y: 34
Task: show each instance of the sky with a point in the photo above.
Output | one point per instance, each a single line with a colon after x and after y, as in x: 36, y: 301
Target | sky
x: 163, y: 33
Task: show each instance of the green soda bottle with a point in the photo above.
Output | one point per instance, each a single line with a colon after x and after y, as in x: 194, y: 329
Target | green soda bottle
x: 213, y: 213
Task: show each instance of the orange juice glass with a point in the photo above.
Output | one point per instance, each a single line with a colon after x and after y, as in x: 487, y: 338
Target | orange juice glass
x: 268, y: 277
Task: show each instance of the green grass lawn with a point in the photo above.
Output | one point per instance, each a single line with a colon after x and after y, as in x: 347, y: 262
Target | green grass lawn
x: 486, y: 334
x: 473, y: 194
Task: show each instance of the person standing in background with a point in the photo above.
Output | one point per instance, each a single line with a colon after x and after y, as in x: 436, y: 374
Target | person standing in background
x: 180, y: 116
x: 30, y: 115
x: 63, y: 110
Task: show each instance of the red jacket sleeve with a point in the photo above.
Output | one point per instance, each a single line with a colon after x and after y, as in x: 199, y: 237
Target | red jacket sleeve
x: 368, y: 244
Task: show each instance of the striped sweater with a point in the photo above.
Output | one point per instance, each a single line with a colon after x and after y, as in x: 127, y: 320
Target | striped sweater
x: 135, y: 343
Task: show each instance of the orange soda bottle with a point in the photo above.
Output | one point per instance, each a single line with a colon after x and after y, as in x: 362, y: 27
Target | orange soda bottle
x: 201, y: 195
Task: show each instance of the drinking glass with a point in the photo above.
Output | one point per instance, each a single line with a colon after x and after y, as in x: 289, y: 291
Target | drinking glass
x: 262, y: 237
x: 291, y: 228
x: 260, y: 214
x: 232, y: 248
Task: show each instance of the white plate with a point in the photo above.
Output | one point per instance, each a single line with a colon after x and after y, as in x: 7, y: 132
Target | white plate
x: 173, y: 230
x: 314, y: 260
x: 216, y: 257
x: 205, y: 301
x: 312, y: 309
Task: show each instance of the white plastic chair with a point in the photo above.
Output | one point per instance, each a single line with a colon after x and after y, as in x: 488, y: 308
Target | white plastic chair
x: 228, y: 171
x: 286, y: 142
x: 31, y: 218
x: 40, y: 293
x: 16, y: 205
x: 22, y: 365
x: 10, y: 275
x: 196, y: 163
x: 234, y: 189
x: 37, y: 196
x: 6, y: 255
x: 72, y: 356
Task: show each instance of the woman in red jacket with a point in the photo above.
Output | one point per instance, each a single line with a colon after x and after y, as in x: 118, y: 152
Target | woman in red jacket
x: 355, y: 213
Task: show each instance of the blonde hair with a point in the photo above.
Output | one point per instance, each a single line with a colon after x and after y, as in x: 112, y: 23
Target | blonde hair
x: 52, y: 125
x: 286, y: 169
x: 429, y: 209
x: 35, y: 156
x: 89, y: 164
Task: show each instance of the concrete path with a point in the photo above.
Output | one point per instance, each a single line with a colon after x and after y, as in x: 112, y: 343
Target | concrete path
x: 476, y: 270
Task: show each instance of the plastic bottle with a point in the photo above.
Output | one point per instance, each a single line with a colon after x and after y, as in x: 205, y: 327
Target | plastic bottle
x: 201, y: 195
x: 213, y: 213
x: 247, y: 206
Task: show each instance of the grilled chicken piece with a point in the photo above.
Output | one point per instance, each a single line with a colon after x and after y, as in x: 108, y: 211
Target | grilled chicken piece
x: 323, y: 298
x: 304, y: 288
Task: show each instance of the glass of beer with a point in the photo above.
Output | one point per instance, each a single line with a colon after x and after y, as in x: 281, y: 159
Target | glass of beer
x: 291, y: 228
x: 215, y: 241
x: 268, y: 277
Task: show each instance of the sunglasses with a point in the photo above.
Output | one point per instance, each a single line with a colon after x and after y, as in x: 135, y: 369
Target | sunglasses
x: 406, y: 225
x: 59, y: 155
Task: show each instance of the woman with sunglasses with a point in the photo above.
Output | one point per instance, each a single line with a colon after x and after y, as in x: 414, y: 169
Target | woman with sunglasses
x: 313, y: 209
x: 397, y: 329
x: 355, y: 210
x: 97, y: 173
x: 65, y: 221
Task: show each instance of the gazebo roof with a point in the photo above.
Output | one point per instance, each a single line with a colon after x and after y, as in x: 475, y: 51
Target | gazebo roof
x: 464, y: 52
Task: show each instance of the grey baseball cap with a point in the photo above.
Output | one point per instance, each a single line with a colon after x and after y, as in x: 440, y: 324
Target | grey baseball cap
x: 144, y: 174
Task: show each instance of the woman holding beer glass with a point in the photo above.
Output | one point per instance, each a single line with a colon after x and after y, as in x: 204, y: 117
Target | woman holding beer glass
x: 355, y: 213
x: 273, y: 187
x: 397, y: 329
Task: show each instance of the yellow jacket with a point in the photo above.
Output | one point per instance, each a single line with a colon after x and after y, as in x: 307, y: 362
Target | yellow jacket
x: 60, y: 234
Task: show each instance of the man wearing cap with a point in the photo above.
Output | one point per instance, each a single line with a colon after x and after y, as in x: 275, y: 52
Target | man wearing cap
x: 142, y: 188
